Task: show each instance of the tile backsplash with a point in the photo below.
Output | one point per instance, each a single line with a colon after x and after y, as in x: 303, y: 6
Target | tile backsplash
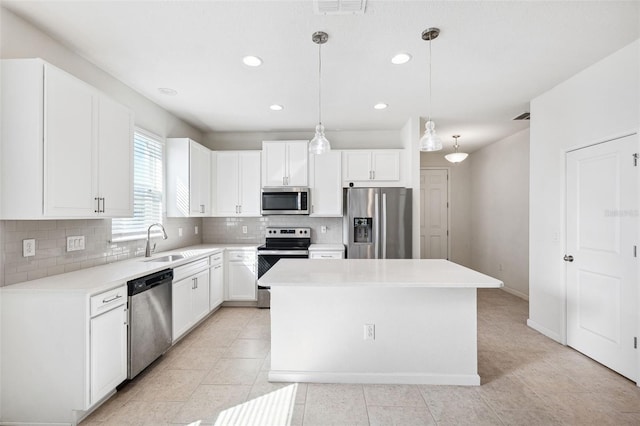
x: 52, y: 258
x: 229, y: 229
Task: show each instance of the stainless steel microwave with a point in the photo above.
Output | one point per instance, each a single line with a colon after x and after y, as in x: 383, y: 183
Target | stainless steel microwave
x: 285, y: 201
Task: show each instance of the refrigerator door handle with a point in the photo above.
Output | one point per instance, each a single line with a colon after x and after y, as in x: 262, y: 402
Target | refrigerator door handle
x: 383, y: 224
x: 376, y: 218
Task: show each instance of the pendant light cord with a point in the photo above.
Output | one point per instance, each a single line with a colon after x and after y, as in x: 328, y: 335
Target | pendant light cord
x: 430, y: 91
x: 319, y: 83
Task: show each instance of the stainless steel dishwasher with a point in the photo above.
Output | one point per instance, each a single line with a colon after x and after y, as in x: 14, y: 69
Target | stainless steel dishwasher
x: 149, y: 334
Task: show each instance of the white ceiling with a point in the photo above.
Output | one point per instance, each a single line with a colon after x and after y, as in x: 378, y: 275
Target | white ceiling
x: 490, y: 60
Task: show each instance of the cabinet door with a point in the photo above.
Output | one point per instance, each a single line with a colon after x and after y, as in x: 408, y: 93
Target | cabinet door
x: 297, y: 164
x: 241, y: 283
x: 115, y: 154
x: 249, y: 181
x: 181, y: 307
x: 70, y: 184
x: 199, y: 180
x: 216, y: 286
x: 357, y: 165
x: 227, y: 183
x: 108, y: 350
x: 386, y: 165
x: 326, y: 184
x: 200, y: 296
x: 274, y: 170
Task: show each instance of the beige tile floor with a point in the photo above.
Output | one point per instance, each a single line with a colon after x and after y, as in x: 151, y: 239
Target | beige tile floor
x: 527, y: 379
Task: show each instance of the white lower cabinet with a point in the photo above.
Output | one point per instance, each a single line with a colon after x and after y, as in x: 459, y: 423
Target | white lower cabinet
x: 62, y: 352
x: 190, y: 296
x: 108, y: 352
x: 216, y: 281
x: 241, y: 275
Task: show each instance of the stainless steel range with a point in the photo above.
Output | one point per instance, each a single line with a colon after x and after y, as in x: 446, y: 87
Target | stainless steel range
x: 280, y: 243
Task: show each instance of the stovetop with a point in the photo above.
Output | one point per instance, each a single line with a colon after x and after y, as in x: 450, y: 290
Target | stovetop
x: 278, y: 238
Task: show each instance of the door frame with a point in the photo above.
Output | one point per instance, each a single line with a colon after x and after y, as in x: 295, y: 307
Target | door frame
x: 448, y: 169
x: 563, y: 228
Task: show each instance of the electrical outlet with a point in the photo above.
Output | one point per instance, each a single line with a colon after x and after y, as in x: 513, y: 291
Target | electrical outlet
x: 369, y: 332
x: 323, y: 229
x: 244, y: 229
x: 196, y: 230
x: 75, y: 243
x: 28, y: 248
x: 179, y: 232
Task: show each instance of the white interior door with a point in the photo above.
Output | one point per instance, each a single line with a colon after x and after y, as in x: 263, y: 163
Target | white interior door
x: 602, y: 230
x: 434, y: 223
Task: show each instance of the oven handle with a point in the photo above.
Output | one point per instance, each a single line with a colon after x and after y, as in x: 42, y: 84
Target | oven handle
x: 283, y: 252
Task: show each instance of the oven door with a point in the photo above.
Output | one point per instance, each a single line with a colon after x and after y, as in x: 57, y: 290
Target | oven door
x: 268, y: 258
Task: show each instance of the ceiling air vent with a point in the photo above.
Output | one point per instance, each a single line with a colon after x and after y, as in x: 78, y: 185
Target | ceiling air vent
x: 339, y: 7
x: 523, y: 116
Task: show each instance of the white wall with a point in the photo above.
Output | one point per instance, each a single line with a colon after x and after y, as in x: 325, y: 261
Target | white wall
x: 339, y: 139
x: 597, y: 104
x: 459, y: 204
x: 500, y: 212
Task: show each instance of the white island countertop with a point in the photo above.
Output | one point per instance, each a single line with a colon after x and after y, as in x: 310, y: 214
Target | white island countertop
x: 375, y: 273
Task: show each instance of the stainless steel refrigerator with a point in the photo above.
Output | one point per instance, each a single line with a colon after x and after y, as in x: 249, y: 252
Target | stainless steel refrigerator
x: 377, y: 223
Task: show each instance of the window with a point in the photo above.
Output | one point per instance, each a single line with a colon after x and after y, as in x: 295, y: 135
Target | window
x: 148, y: 161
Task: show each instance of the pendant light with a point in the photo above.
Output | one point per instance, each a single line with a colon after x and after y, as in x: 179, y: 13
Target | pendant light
x: 456, y: 157
x: 430, y: 141
x: 319, y: 144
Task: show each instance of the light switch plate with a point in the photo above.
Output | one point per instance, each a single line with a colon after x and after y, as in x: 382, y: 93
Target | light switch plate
x: 29, y: 248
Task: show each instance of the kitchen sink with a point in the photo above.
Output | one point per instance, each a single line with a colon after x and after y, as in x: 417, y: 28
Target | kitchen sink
x: 168, y: 258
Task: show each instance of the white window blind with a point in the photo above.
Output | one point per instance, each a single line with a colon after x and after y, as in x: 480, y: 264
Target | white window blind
x: 148, y: 160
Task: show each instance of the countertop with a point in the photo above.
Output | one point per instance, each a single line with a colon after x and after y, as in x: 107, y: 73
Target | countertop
x: 327, y: 247
x: 105, y: 277
x: 375, y: 273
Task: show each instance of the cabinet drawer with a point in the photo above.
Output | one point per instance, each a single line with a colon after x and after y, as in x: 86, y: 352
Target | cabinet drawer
x: 215, y: 259
x: 184, y: 271
x: 108, y: 300
x: 241, y: 256
x: 326, y: 255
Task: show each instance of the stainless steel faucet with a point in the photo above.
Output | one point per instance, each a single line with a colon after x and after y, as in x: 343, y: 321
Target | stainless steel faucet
x: 147, y: 251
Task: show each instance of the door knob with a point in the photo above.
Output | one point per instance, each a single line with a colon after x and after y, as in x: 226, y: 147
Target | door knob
x: 568, y: 258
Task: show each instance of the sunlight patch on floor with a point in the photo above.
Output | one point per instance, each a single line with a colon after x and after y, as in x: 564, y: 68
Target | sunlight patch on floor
x: 274, y: 408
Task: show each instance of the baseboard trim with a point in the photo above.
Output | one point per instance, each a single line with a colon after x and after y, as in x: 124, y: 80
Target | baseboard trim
x: 516, y: 293
x: 547, y: 332
x: 374, y: 378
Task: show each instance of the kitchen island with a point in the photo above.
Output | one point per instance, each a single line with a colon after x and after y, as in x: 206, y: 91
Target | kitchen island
x: 405, y: 321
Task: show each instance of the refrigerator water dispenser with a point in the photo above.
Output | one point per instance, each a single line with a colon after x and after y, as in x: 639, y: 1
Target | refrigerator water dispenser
x: 363, y: 230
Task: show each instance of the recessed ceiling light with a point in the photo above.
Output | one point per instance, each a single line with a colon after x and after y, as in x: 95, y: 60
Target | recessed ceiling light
x: 401, y: 58
x: 276, y: 107
x: 167, y: 91
x: 380, y: 105
x: 252, y: 61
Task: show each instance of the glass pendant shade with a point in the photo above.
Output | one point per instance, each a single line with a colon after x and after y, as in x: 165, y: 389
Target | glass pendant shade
x: 319, y: 144
x: 456, y: 157
x: 430, y: 141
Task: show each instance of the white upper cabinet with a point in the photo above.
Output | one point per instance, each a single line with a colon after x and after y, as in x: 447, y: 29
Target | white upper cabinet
x: 285, y: 163
x: 371, y: 166
x: 67, y: 148
x: 325, y: 171
x: 188, y: 178
x: 236, y: 186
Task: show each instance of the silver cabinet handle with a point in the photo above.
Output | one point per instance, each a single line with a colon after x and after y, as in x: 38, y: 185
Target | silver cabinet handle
x: 240, y: 209
x: 103, y: 205
x: 201, y: 208
x: 111, y: 299
x: 374, y: 174
x: 568, y: 258
x: 98, y: 202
